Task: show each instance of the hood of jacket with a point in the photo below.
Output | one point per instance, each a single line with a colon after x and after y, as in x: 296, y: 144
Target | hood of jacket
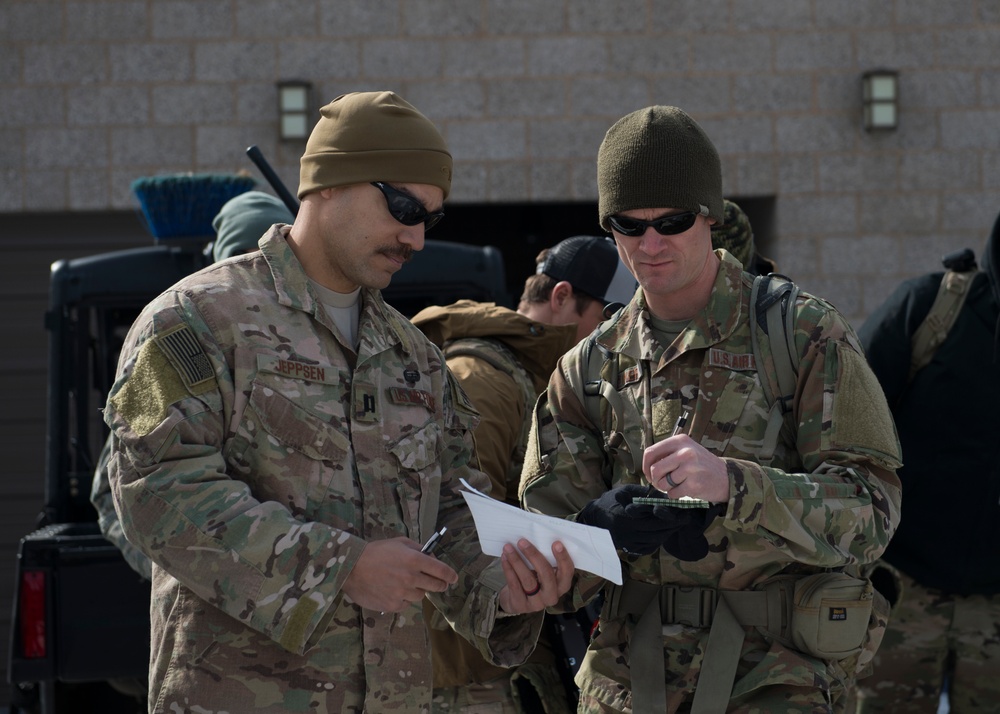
x: 991, y: 259
x: 991, y: 266
x: 537, y: 346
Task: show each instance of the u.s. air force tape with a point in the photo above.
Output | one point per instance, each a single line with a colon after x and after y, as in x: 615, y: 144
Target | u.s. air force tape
x: 187, y: 357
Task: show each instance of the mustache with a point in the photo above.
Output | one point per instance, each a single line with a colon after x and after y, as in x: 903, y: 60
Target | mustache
x: 403, y: 252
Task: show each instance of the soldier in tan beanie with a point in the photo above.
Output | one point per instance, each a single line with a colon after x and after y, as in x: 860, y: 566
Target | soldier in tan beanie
x: 285, y: 442
x: 741, y: 514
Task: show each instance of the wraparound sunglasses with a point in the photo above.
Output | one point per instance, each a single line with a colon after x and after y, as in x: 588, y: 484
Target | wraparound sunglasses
x: 406, y: 209
x: 664, y: 225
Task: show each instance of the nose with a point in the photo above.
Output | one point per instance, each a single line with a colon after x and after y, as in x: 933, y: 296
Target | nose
x: 413, y: 236
x: 650, y: 242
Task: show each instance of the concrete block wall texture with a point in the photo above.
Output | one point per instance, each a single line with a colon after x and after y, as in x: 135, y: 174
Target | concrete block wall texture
x: 94, y: 93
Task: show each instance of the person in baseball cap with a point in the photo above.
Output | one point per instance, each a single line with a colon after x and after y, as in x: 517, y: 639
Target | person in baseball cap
x: 591, y: 265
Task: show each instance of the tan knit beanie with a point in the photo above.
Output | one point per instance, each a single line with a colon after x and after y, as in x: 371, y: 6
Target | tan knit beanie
x: 658, y: 157
x: 373, y: 136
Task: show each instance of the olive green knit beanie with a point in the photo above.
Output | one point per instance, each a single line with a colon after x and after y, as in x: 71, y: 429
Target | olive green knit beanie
x: 373, y: 136
x: 658, y: 157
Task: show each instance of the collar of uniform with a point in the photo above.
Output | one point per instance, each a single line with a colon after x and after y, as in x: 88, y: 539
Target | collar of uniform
x: 291, y: 286
x: 724, y: 311
x: 396, y: 329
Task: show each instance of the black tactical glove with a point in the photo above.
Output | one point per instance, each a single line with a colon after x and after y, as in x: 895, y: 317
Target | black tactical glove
x: 682, y: 530
x: 640, y: 534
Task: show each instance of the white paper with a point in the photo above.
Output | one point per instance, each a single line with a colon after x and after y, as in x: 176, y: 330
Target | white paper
x: 499, y: 523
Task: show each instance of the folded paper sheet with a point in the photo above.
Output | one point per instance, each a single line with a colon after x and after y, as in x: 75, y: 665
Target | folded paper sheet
x: 498, y: 523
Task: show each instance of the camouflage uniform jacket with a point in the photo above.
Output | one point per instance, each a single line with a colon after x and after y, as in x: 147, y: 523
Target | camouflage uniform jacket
x: 255, y: 457
x: 829, y: 499
x: 505, y: 401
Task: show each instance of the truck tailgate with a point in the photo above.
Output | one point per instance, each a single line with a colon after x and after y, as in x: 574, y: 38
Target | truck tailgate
x: 80, y: 612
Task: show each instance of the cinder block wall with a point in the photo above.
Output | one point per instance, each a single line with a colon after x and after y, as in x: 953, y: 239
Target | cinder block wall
x: 94, y: 93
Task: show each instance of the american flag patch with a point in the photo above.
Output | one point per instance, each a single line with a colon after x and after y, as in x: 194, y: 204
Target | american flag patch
x: 186, y: 355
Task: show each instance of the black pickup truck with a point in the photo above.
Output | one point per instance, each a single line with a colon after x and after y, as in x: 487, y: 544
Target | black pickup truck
x: 80, y: 627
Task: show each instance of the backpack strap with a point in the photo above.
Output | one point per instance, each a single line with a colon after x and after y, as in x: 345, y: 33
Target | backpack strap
x: 772, y: 298
x: 933, y: 331
x: 596, y: 378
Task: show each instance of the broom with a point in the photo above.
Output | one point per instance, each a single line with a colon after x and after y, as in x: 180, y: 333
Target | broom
x: 183, y: 205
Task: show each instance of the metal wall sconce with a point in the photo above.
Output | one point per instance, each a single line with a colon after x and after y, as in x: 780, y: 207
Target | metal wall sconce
x: 880, y: 91
x: 293, y: 109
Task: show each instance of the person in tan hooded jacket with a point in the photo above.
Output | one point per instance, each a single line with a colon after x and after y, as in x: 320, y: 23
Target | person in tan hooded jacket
x: 502, y: 358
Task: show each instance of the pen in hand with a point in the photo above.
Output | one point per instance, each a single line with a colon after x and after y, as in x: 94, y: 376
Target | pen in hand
x: 433, y: 541
x: 678, y: 427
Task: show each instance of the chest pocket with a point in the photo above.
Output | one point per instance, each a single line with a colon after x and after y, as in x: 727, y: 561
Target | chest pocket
x: 730, y: 417
x: 418, y: 455
x: 735, y: 413
x: 292, y: 455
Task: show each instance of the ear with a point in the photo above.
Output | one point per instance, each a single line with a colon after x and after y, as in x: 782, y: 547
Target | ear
x: 561, y: 301
x: 562, y: 292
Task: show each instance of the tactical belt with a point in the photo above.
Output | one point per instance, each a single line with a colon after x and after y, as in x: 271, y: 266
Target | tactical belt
x: 725, y: 612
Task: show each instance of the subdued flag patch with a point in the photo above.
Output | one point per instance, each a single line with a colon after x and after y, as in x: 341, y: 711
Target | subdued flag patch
x: 185, y: 354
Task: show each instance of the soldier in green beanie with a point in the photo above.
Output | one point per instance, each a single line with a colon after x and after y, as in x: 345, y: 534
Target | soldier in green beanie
x: 284, y: 441
x: 734, y: 529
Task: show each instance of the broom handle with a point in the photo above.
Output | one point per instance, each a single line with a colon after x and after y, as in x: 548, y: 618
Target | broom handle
x: 272, y: 178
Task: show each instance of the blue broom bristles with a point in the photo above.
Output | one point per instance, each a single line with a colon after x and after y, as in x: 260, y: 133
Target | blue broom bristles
x: 183, y: 205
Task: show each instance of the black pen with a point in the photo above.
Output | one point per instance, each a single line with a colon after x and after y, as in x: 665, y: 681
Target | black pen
x: 433, y: 540
x: 681, y: 421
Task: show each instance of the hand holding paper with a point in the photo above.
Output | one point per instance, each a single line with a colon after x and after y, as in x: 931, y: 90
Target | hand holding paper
x: 532, y: 585
x: 499, y: 524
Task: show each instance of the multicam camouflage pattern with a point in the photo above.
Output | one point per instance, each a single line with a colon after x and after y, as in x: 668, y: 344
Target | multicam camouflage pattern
x: 255, y: 457
x: 830, y: 499
x: 107, y: 516
x: 734, y: 234
x: 932, y: 632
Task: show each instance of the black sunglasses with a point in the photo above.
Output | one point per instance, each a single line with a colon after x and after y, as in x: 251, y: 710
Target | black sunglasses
x: 406, y: 209
x: 664, y: 225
